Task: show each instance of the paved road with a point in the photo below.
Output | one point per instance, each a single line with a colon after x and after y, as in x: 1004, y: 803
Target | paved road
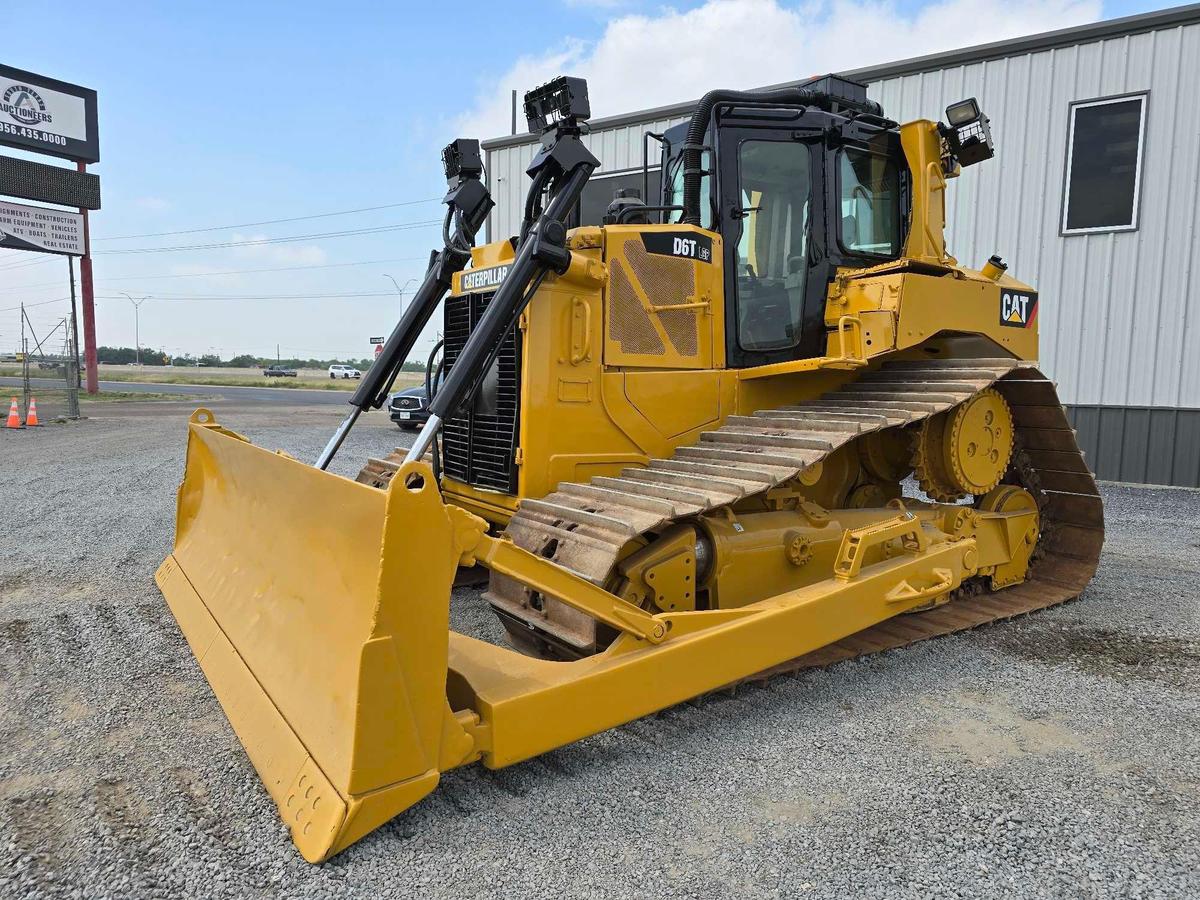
x: 249, y: 395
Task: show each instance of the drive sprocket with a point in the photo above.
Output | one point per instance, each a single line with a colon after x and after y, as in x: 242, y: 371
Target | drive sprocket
x: 979, y: 442
x: 967, y: 449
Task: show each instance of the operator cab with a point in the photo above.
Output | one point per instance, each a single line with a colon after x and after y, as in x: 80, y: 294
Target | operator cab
x: 795, y: 192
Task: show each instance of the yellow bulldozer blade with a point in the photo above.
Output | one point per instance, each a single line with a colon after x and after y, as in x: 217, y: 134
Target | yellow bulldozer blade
x: 318, y: 610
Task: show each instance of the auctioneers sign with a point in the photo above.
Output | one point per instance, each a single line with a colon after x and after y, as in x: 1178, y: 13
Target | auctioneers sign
x: 48, y: 116
x: 38, y: 228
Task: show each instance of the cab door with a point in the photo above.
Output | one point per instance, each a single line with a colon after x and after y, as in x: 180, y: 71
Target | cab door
x: 770, y: 213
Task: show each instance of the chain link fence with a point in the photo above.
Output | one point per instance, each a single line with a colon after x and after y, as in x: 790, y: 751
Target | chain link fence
x: 52, y: 382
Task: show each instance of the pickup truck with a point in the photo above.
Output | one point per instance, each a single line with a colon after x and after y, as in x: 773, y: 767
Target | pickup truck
x: 279, y: 372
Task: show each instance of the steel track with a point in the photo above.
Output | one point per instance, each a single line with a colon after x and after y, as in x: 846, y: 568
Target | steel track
x: 584, y: 527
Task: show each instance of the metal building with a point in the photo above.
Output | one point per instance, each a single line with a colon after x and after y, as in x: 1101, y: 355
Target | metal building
x: 1092, y: 197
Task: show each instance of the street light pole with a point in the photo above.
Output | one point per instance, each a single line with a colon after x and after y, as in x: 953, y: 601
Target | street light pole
x: 400, y: 290
x: 137, y: 338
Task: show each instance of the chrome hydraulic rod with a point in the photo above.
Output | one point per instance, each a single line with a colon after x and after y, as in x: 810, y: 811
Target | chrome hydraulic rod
x: 428, y: 432
x: 335, y: 442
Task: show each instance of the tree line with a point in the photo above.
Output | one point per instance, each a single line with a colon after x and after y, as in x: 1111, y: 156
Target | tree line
x: 126, y: 355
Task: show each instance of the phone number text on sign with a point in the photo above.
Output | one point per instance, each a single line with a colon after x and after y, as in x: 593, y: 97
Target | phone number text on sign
x: 32, y: 135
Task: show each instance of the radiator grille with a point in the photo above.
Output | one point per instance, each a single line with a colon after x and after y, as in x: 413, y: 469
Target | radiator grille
x: 479, y: 442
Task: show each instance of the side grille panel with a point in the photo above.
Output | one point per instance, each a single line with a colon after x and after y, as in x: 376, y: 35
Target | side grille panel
x: 653, y: 315
x: 667, y: 282
x: 479, y: 442
x: 628, y: 322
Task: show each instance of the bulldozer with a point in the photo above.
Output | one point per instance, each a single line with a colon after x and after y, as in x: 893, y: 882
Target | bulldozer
x: 765, y: 423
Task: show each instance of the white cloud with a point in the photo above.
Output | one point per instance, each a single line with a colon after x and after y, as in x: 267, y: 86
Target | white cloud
x: 287, y: 254
x: 650, y: 60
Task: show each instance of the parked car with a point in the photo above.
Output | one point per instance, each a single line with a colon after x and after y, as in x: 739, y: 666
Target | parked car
x: 279, y: 372
x: 344, y: 372
x: 410, y: 408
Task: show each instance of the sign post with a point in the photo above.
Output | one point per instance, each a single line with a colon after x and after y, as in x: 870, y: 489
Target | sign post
x: 74, y: 327
x: 89, y: 305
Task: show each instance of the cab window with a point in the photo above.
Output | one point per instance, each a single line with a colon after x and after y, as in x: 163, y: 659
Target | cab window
x: 772, y: 250
x: 599, y: 192
x: 870, y: 203
x: 676, y: 187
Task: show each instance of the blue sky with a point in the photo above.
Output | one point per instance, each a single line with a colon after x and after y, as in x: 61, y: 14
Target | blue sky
x: 219, y: 113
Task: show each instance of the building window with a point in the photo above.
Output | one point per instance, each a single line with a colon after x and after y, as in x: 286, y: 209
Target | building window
x: 1104, y: 165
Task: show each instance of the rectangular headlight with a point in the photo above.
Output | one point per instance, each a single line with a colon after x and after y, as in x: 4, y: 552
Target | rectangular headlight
x: 562, y: 98
x: 462, y: 158
x: 962, y: 113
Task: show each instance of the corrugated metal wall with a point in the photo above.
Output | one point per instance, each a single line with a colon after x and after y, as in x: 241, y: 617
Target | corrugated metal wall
x: 617, y: 149
x: 1119, y: 312
x: 1115, y: 315
x: 1140, y: 444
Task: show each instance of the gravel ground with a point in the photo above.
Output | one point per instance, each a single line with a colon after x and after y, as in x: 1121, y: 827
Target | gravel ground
x: 1056, y: 755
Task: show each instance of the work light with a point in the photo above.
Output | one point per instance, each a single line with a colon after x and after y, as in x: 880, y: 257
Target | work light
x: 562, y: 99
x: 968, y: 137
x: 462, y: 158
x: 962, y: 113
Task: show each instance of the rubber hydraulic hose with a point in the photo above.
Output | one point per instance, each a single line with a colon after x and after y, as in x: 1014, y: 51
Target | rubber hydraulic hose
x: 372, y: 390
x: 429, y: 377
x: 500, y: 315
x: 504, y: 307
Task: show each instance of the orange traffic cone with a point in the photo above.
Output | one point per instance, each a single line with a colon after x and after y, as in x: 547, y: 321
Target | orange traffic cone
x: 31, y: 417
x: 14, y: 417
